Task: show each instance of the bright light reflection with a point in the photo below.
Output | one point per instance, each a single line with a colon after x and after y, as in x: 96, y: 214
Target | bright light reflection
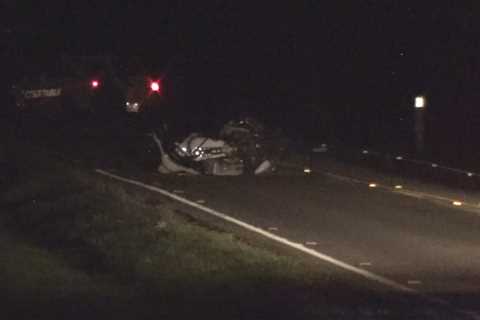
x: 155, y: 86
x: 419, y: 102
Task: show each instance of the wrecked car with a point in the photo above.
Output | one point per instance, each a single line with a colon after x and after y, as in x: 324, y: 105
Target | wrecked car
x: 237, y: 150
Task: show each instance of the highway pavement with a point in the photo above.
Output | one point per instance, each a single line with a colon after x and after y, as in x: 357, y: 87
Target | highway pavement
x: 432, y: 249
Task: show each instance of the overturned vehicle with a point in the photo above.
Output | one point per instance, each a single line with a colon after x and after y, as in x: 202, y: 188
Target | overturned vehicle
x: 239, y: 149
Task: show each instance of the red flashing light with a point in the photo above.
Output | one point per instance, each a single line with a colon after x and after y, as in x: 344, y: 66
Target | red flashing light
x: 155, y: 86
x: 95, y: 84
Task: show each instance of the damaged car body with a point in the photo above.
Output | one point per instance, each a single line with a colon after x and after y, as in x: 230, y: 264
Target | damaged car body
x: 237, y: 151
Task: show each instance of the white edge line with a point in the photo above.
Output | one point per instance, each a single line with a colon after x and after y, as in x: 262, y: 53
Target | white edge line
x: 282, y: 240
x: 314, y: 253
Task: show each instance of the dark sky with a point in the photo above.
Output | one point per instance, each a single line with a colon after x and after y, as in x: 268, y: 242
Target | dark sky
x: 374, y: 54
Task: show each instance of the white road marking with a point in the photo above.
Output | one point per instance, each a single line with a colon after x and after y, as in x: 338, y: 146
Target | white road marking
x: 179, y: 191
x: 201, y: 201
x: 365, y: 264
x: 414, y: 282
x: 298, y: 246
x: 311, y: 243
x: 415, y: 194
x: 272, y: 228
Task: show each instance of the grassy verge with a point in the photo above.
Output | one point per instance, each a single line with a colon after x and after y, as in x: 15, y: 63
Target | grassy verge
x: 75, y: 245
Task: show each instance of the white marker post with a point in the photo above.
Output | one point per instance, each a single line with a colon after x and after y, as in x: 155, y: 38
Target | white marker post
x: 419, y: 125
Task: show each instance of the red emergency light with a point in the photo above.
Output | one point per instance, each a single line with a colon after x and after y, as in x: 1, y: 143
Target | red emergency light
x: 155, y: 86
x: 95, y: 84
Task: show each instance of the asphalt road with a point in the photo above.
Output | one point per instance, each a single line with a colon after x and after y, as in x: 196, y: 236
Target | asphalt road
x: 430, y: 248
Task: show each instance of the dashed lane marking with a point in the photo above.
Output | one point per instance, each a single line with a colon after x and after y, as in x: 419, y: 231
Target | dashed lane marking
x: 400, y: 189
x: 410, y: 193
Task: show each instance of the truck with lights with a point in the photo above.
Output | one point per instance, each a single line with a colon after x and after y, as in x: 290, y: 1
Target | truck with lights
x: 72, y: 86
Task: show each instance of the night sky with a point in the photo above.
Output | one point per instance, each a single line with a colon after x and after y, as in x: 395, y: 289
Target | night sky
x: 356, y: 59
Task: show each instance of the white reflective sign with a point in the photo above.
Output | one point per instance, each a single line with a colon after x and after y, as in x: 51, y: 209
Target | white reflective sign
x: 42, y: 93
x: 419, y: 102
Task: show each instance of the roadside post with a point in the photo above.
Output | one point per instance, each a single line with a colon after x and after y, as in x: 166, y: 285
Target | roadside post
x: 419, y: 124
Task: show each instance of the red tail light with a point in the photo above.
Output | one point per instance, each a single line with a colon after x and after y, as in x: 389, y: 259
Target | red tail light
x: 155, y: 86
x: 95, y: 84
